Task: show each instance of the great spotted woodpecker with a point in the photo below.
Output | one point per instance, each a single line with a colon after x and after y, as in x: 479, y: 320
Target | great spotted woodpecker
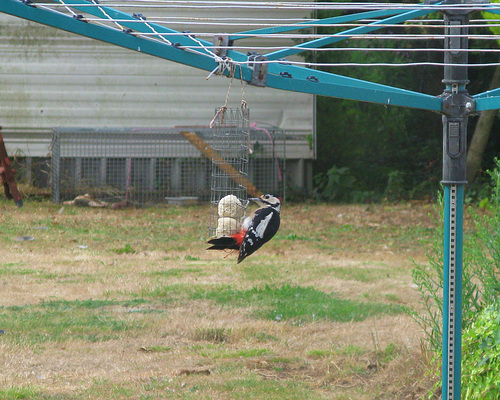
x: 256, y: 229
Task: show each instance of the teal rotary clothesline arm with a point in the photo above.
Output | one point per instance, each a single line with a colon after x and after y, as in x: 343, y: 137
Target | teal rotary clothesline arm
x: 308, y: 24
x: 489, y: 100
x: 280, y: 76
x: 106, y: 34
x: 299, y: 79
x: 137, y: 24
x: 360, y: 30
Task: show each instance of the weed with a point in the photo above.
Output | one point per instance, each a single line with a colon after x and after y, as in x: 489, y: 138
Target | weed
x: 481, y: 283
x: 157, y: 349
x: 216, y: 335
x: 19, y: 393
x: 394, y: 298
x: 319, y: 353
x: 264, y: 337
x: 177, y: 272
x: 127, y: 249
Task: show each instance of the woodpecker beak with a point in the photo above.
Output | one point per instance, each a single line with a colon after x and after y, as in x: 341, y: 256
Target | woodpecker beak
x: 255, y: 199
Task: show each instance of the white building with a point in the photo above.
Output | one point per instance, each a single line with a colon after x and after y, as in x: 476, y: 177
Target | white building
x: 53, y: 79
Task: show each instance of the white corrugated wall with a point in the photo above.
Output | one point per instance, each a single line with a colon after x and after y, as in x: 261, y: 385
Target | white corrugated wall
x: 50, y: 78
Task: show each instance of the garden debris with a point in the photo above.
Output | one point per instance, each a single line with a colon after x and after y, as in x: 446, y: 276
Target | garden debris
x: 86, y: 201
x: 195, y: 371
x: 25, y: 238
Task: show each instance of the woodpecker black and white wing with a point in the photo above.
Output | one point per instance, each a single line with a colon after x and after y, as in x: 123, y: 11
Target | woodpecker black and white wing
x: 264, y: 225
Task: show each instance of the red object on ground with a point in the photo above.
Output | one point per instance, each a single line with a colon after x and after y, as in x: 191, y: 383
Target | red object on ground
x: 7, y: 176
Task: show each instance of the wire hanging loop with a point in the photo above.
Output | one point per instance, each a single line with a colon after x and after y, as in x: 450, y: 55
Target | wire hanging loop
x: 220, y: 114
x: 244, y: 104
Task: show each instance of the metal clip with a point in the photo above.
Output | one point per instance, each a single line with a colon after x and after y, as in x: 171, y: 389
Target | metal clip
x: 221, y: 43
x: 259, y: 69
x: 139, y: 16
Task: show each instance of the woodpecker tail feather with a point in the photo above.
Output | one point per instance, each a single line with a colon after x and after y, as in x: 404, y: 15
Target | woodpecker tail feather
x: 222, y: 243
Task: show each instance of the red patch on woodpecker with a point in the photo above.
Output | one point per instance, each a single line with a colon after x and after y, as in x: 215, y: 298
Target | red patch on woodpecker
x: 238, y: 237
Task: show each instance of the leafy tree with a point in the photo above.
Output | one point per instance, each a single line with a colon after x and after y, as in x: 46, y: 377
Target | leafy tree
x: 375, y: 142
x: 479, y: 142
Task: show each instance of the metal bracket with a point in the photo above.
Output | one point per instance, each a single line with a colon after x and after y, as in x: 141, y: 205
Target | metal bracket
x: 259, y: 70
x: 221, y: 43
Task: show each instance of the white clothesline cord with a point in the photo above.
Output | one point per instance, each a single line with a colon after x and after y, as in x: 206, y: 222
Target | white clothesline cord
x: 310, y: 36
x: 226, y: 64
x: 225, y: 24
x: 288, y: 5
x: 352, y: 49
x: 303, y: 25
x: 353, y: 64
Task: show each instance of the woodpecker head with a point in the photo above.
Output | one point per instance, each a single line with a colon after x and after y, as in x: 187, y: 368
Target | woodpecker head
x: 268, y: 200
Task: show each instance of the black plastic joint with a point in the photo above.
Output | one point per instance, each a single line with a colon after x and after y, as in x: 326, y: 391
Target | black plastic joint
x: 457, y: 104
x: 454, y: 150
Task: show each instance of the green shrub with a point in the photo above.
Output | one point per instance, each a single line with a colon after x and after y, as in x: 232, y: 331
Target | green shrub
x: 481, y: 283
x: 395, y: 189
x: 481, y: 356
x: 336, y: 184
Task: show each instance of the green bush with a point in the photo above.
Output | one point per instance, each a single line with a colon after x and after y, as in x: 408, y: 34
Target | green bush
x: 336, y: 184
x: 481, y: 288
x: 481, y: 282
x: 481, y: 356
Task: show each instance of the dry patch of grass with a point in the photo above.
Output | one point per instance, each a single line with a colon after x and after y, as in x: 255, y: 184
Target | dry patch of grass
x: 128, y: 304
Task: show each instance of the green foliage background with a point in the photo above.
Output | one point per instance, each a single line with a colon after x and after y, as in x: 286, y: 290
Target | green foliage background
x: 369, y: 143
x: 481, y: 356
x: 480, y: 296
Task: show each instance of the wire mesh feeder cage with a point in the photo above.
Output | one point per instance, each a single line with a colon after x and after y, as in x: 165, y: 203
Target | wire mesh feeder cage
x: 141, y: 166
x: 229, y: 183
x: 137, y: 166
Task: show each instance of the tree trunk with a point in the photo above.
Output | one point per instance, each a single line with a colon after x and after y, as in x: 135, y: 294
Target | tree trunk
x: 481, y: 135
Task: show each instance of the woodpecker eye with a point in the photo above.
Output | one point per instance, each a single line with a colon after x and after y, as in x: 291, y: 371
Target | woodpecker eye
x: 266, y: 196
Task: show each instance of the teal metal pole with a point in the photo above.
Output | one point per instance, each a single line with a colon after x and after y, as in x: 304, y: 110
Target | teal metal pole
x: 452, y: 298
x: 457, y: 106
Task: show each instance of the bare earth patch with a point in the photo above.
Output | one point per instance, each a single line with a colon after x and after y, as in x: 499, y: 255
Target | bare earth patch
x: 128, y: 304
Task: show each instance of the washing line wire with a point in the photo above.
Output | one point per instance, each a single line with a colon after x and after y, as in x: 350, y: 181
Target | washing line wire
x: 291, y: 5
x: 225, y: 64
x: 313, y: 24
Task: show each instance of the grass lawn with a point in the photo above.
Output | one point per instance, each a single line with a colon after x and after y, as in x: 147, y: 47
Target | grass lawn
x: 128, y: 304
